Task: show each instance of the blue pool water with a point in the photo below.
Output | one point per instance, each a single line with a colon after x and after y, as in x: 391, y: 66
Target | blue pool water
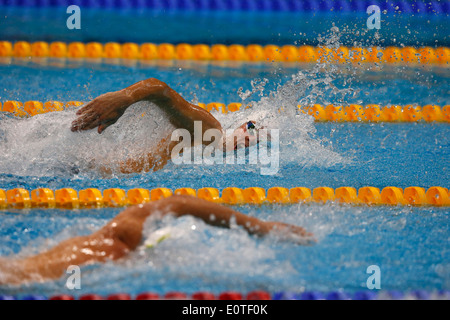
x: 409, y: 244
x: 337, y: 154
x: 228, y: 27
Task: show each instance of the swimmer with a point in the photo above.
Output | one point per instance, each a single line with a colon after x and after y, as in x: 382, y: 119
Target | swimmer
x: 106, y: 109
x: 124, y: 234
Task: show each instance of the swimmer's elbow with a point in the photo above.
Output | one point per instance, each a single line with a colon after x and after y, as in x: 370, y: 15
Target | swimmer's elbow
x: 156, y: 83
x: 177, y: 205
x: 150, y: 88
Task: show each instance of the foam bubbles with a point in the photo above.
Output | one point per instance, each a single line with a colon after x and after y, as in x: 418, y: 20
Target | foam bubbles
x: 44, y: 145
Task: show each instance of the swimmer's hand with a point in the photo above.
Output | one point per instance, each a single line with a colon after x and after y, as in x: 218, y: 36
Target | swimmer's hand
x: 101, y: 112
x: 291, y: 233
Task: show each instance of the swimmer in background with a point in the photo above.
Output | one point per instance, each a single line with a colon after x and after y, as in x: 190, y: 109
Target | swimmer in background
x: 106, y: 109
x: 124, y: 234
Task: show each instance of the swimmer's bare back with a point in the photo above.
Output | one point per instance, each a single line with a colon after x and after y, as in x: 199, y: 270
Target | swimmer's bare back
x: 124, y: 233
x: 106, y: 109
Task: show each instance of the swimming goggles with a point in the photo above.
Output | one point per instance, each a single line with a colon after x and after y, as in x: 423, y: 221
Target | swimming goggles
x: 251, y: 128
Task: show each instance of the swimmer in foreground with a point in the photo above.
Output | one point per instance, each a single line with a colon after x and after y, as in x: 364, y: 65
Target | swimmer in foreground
x: 124, y: 234
x: 106, y: 109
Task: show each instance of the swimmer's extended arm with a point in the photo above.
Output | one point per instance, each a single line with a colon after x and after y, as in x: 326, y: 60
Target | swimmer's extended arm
x: 124, y: 233
x: 106, y: 109
x: 127, y: 226
x: 223, y: 216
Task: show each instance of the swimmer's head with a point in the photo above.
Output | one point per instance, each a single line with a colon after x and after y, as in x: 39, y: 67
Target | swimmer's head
x: 244, y: 136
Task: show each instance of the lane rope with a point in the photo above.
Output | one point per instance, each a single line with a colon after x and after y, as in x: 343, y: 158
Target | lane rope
x: 251, y: 295
x: 429, y: 7
x: 69, y: 198
x: 219, y: 52
x: 321, y: 113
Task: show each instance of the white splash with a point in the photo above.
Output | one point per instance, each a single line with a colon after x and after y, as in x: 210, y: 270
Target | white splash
x: 44, y: 145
